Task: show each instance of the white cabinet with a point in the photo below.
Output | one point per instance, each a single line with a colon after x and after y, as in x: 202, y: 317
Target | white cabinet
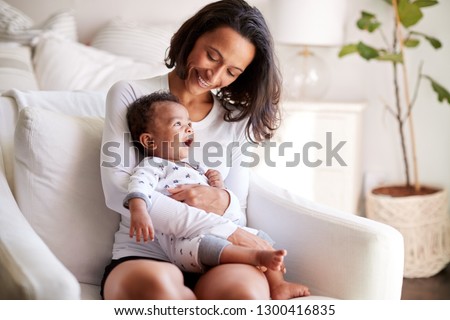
x: 316, y: 153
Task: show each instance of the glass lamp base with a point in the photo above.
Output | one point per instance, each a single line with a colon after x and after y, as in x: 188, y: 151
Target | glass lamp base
x: 306, y: 77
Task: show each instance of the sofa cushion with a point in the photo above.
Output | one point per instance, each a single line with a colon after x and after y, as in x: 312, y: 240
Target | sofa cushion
x: 74, y: 103
x: 59, y: 191
x: 66, y: 65
x: 16, y: 69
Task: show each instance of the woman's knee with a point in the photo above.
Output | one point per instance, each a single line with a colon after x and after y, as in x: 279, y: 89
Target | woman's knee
x: 244, y: 291
x: 233, y: 282
x: 141, y: 279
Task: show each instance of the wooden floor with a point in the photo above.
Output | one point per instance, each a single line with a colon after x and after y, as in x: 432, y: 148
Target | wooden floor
x: 433, y: 288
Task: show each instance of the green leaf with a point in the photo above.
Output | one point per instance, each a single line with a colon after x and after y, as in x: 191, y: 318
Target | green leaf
x: 409, y: 13
x: 411, y: 43
x: 348, y: 49
x: 368, y: 22
x: 435, y: 43
x: 391, y: 57
x: 419, y: 3
x: 442, y: 93
x: 425, y: 3
x: 366, y: 51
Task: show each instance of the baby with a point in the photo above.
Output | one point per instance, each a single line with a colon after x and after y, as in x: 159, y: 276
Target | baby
x: 161, y: 129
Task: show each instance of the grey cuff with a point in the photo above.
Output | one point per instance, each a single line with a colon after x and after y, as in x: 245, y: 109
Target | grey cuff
x: 210, y: 249
x: 140, y: 195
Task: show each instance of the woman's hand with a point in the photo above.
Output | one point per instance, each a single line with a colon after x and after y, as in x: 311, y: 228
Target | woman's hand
x: 246, y: 239
x: 207, y: 198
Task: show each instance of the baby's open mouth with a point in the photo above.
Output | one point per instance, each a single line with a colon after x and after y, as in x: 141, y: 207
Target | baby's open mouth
x: 188, y: 142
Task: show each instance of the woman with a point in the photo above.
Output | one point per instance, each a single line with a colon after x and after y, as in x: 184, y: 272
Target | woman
x: 225, y: 47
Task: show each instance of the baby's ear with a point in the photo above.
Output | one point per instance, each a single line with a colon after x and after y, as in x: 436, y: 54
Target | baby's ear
x: 147, y: 141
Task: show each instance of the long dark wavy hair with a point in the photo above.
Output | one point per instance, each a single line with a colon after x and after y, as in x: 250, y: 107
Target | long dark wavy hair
x: 255, y: 94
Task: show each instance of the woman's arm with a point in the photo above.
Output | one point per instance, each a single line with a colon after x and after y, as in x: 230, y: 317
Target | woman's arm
x: 207, y: 198
x: 238, y: 178
x: 196, y: 196
x: 119, y: 157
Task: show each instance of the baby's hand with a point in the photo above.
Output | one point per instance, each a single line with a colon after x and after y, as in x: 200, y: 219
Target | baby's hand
x: 141, y: 224
x: 214, y: 178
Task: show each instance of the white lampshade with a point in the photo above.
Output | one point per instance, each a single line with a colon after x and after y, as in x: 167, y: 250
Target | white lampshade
x: 308, y: 22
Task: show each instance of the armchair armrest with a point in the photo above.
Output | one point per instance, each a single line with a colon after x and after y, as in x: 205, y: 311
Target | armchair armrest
x: 336, y: 254
x: 29, y: 270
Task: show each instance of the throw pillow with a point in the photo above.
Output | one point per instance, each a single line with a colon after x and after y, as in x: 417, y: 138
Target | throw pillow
x: 16, y: 69
x: 144, y: 43
x: 16, y: 26
x: 12, y: 19
x: 59, y: 191
x: 66, y: 65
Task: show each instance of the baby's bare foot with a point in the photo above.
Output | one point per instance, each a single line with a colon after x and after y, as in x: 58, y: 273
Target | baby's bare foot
x: 288, y: 290
x: 271, y: 259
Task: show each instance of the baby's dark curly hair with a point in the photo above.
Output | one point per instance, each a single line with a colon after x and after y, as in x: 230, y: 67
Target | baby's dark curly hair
x: 140, y: 114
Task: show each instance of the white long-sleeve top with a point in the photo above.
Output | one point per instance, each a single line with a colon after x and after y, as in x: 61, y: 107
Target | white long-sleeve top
x: 219, y: 147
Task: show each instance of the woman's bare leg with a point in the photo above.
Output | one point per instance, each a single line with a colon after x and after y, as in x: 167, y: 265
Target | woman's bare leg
x: 233, y: 282
x: 146, y: 279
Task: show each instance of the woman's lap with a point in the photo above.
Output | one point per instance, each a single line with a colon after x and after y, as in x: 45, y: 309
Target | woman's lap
x: 228, y: 281
x: 124, y: 269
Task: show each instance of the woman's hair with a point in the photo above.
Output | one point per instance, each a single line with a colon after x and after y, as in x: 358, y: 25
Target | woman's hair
x: 141, y: 112
x: 256, y: 92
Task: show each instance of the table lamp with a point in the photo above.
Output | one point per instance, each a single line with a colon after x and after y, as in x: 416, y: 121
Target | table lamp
x: 306, y: 24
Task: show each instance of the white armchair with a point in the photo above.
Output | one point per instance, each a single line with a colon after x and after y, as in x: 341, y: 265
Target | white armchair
x: 56, y: 233
x: 336, y: 254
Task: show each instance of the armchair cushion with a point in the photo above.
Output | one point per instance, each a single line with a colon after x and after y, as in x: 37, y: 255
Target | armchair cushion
x: 58, y: 188
x: 29, y: 270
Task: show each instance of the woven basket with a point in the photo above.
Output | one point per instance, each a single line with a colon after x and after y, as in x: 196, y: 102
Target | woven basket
x: 424, y: 223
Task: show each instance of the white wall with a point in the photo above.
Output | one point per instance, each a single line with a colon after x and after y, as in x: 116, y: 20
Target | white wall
x: 371, y: 81
x: 92, y: 14
x: 352, y: 78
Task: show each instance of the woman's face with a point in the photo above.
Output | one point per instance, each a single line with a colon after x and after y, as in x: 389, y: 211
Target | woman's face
x: 217, y: 59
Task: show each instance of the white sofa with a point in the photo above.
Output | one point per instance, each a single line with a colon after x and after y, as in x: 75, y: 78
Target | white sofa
x: 56, y: 232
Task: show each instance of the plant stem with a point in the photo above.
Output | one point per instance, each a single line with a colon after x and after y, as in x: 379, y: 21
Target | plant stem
x: 400, y: 124
x: 416, y: 91
x: 407, y: 99
x: 398, y: 113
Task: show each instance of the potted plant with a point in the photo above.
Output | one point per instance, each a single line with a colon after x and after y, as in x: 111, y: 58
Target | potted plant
x: 419, y: 212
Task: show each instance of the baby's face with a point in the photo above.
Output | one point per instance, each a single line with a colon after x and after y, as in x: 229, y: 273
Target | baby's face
x: 172, y: 131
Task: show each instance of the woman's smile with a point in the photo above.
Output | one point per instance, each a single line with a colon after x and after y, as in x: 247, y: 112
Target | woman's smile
x: 203, y: 83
